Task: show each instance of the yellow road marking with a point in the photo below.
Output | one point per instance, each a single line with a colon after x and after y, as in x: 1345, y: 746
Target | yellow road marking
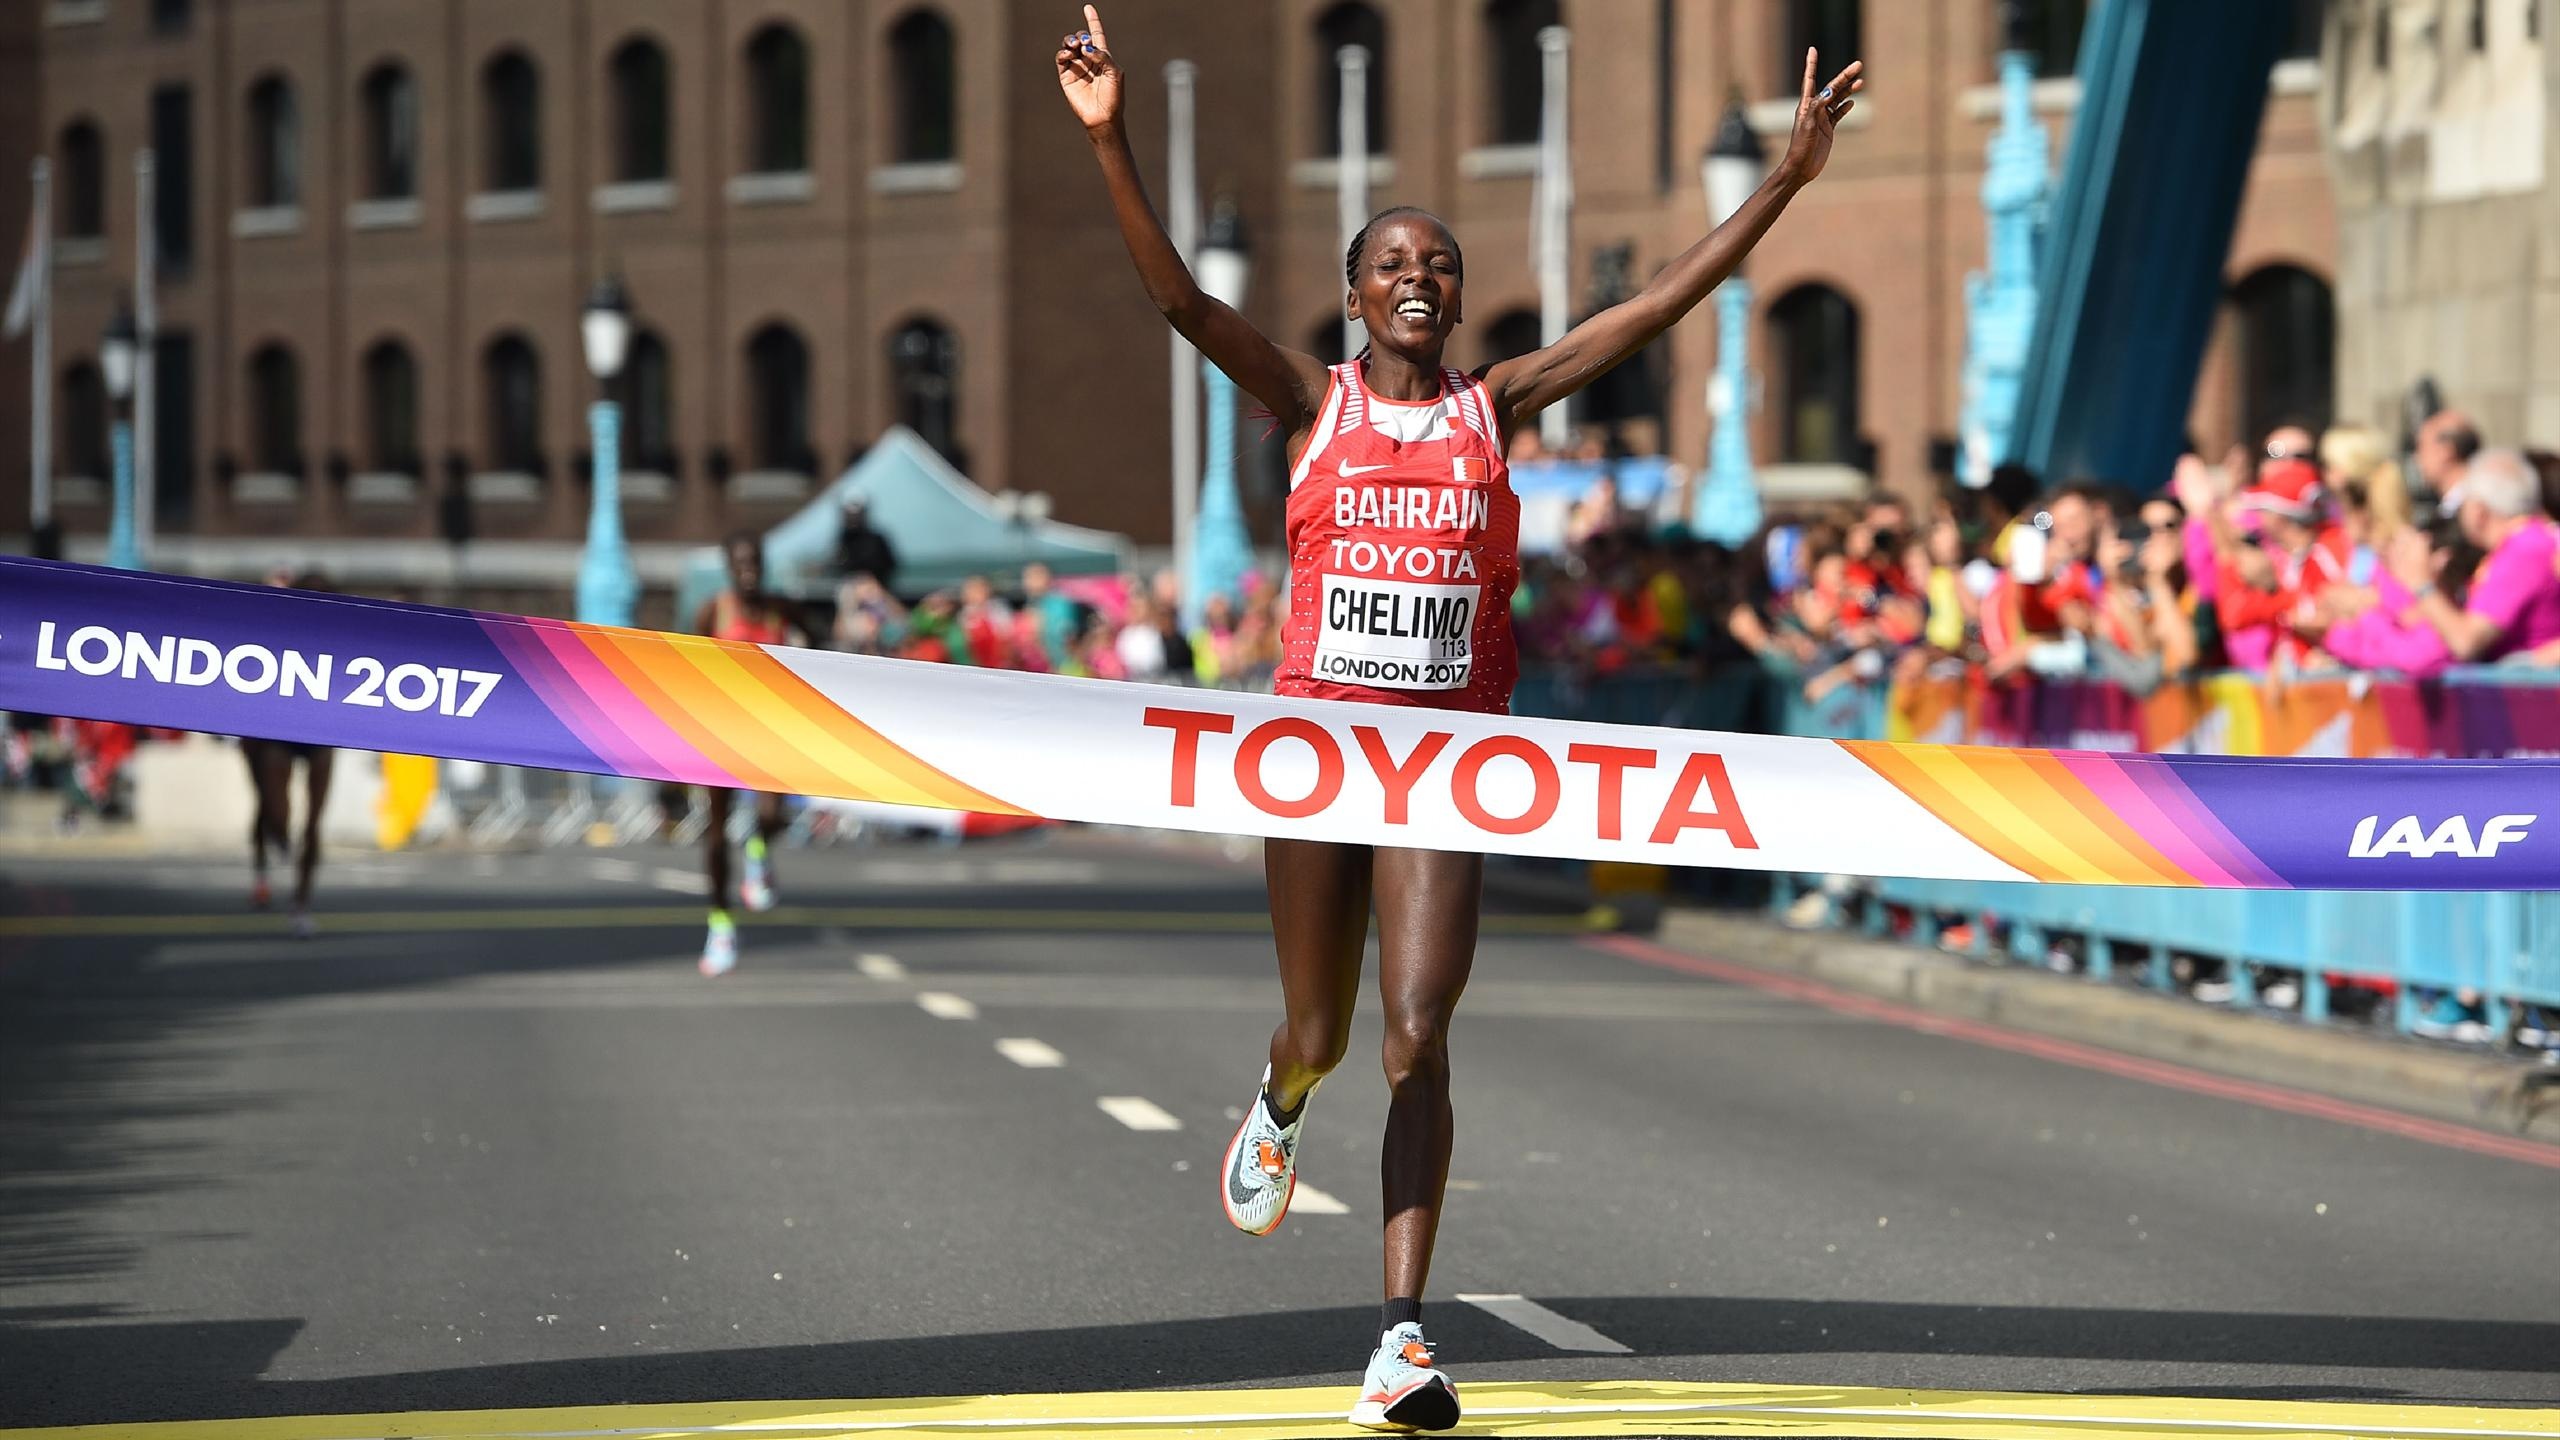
x: 1607, y: 1408
x: 604, y: 917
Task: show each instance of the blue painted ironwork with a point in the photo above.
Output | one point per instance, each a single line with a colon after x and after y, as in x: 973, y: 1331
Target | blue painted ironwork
x: 2171, y: 93
x: 2000, y: 300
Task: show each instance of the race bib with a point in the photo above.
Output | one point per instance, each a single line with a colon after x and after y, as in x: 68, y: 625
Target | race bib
x: 1396, y: 634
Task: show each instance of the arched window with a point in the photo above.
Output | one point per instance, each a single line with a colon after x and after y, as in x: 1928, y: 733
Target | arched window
x: 778, y: 394
x: 275, y: 145
x: 84, y: 182
x: 2302, y: 37
x: 275, y: 412
x: 1324, y: 342
x: 1814, y: 354
x: 924, y: 375
x: 514, y: 376
x: 391, y: 408
x: 1350, y: 23
x: 1512, y: 334
x: 390, y: 103
x: 650, y: 395
x: 778, y: 101
x: 924, y: 78
x: 2284, y: 349
x: 637, y: 79
x: 1518, y: 75
x: 1829, y: 26
x: 511, y: 113
x: 84, y: 422
x: 2053, y: 34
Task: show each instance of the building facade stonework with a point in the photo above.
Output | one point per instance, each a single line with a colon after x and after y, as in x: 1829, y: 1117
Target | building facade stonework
x: 2441, y: 136
x: 390, y: 211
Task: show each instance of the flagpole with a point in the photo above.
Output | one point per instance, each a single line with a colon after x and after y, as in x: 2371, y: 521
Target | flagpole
x: 1182, y: 226
x: 40, y: 382
x: 1351, y: 179
x: 146, y: 369
x: 1553, y: 221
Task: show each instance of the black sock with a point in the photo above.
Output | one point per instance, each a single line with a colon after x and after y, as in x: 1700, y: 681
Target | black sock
x: 1285, y: 1118
x: 1399, y: 1312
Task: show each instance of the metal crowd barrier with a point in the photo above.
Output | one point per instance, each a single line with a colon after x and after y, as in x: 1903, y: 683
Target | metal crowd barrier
x: 2502, y: 947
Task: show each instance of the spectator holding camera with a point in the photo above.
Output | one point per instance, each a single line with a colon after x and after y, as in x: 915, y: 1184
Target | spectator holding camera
x: 2514, y: 600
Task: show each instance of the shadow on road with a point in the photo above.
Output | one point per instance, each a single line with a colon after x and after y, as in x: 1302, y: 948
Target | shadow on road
x: 215, y: 1369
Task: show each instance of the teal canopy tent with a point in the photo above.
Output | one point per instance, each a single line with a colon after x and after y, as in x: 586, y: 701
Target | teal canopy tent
x: 944, y: 528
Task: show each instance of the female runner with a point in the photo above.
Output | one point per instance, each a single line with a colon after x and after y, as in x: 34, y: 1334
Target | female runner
x: 745, y: 613
x: 271, y: 765
x: 1420, y: 450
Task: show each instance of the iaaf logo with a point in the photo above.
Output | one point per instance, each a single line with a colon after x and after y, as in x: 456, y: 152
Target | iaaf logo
x: 2408, y: 836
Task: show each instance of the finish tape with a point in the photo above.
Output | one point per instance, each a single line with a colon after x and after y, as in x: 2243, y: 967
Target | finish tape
x: 337, y: 670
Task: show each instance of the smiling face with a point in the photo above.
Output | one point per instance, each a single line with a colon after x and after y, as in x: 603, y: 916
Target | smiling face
x: 1406, y: 285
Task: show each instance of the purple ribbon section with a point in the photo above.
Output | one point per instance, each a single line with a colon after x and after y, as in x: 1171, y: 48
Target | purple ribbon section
x: 189, y: 654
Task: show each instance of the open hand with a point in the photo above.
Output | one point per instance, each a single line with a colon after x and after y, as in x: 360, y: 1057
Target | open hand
x: 1818, y: 116
x: 1088, y: 74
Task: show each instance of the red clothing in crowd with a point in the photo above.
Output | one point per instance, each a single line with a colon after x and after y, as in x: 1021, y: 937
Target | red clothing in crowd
x: 2254, y: 624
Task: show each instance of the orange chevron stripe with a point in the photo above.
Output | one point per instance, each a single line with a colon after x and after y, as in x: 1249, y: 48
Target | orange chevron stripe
x: 702, y: 719
x: 828, y: 730
x: 1896, y: 766
x: 708, y: 676
x: 2000, y: 803
x: 2099, y: 856
x: 2111, y: 827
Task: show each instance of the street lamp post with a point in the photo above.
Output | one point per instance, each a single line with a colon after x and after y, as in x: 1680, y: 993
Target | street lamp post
x: 116, y: 356
x: 608, y: 585
x: 1727, y: 510
x: 1182, y: 226
x: 1221, y: 551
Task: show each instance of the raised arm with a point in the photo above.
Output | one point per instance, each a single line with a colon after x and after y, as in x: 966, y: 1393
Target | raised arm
x: 1289, y: 384
x: 1524, y: 386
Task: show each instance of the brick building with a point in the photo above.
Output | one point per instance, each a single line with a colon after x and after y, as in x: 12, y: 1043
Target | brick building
x: 379, y: 217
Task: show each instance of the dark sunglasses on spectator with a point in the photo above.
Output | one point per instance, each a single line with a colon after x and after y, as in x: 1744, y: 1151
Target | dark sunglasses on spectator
x: 2278, y: 452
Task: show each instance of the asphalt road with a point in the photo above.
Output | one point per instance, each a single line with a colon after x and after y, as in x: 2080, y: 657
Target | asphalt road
x: 489, y: 1141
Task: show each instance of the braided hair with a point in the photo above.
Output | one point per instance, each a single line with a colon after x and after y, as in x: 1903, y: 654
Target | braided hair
x: 1360, y: 244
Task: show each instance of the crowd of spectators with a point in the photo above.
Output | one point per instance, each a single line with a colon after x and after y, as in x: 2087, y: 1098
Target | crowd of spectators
x: 1124, y: 627
x: 2301, y: 555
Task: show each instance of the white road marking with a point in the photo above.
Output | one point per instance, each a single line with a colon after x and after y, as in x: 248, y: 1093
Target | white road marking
x: 623, y: 870
x: 1030, y: 1054
x: 1137, y: 1112
x: 683, y: 882
x: 946, y: 1007
x: 1308, y: 1200
x: 880, y: 967
x: 1547, y: 1325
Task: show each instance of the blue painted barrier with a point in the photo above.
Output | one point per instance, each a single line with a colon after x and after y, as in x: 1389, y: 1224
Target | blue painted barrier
x: 2503, y: 946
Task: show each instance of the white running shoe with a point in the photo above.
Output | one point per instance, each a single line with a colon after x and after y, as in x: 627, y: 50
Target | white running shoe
x: 755, y: 888
x: 1260, y: 1171
x: 720, y: 946
x: 1404, y: 1390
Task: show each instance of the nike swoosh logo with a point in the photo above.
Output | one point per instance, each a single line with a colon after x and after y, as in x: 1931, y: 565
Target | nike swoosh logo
x: 1237, y: 1191
x: 1351, y: 471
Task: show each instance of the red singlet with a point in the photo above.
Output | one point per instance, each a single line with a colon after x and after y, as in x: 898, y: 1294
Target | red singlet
x: 730, y: 621
x: 1404, y: 546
